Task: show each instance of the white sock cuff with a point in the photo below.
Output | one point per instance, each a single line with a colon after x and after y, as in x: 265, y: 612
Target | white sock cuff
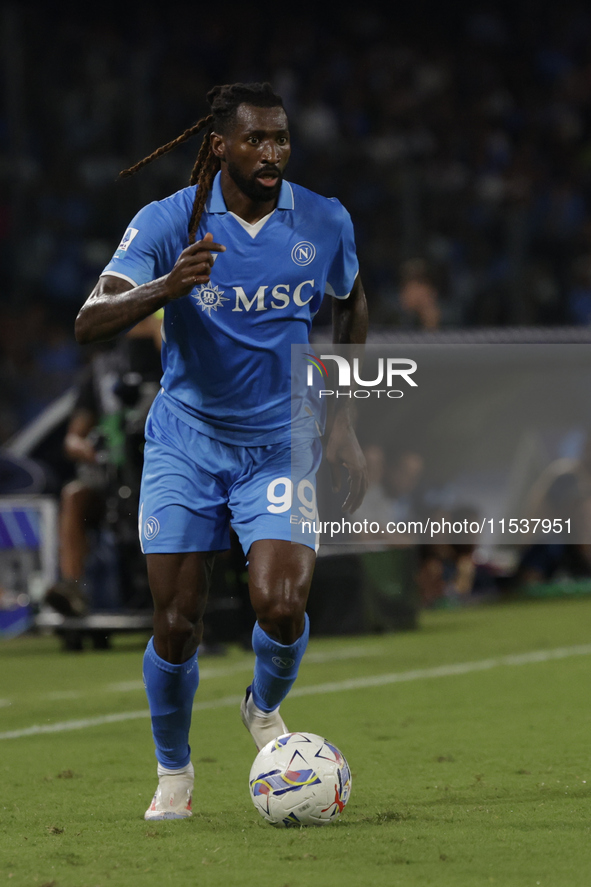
x: 183, y: 771
x: 258, y: 712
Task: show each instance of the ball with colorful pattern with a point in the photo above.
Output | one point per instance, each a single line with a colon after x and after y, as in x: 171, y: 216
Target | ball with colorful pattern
x: 300, y: 779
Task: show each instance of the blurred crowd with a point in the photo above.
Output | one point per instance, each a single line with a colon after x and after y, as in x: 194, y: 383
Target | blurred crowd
x: 459, y: 139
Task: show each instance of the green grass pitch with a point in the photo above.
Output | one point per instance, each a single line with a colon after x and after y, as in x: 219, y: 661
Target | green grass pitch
x: 469, y: 743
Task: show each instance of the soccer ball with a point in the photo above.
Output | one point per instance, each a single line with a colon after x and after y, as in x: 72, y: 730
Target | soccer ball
x: 300, y: 779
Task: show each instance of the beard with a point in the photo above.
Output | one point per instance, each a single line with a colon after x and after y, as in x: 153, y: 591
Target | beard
x: 251, y: 186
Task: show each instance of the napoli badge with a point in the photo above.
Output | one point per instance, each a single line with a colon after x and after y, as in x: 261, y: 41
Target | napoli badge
x: 151, y: 528
x: 303, y: 253
x: 209, y: 298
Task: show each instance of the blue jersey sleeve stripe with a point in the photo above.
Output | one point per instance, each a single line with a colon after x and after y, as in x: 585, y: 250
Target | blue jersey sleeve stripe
x: 330, y: 291
x: 286, y: 197
x: 118, y: 274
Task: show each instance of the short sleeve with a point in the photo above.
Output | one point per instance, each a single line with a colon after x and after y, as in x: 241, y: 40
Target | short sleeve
x: 138, y: 254
x: 344, y: 267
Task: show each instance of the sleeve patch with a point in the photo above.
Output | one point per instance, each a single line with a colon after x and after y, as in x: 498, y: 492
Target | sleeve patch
x: 127, y: 238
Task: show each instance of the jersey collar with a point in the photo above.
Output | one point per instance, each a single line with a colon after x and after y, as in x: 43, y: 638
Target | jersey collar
x: 215, y: 202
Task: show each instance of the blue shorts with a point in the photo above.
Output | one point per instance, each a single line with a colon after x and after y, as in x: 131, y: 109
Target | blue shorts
x: 194, y: 487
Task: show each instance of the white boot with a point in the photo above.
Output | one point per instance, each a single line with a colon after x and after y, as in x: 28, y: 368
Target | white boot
x: 173, y: 795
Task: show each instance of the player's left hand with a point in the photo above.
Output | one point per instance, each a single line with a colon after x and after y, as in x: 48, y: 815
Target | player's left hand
x: 343, y: 449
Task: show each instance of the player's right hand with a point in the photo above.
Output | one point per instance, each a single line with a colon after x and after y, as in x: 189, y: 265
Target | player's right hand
x: 192, y: 267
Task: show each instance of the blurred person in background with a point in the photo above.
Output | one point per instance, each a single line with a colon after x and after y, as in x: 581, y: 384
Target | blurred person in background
x: 448, y: 571
x: 562, y: 492
x: 403, y: 476
x: 376, y: 503
x: 419, y: 298
x: 394, y: 492
x: 105, y: 450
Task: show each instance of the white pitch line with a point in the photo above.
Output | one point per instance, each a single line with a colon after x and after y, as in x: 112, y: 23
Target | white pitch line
x: 205, y: 673
x: 124, y: 687
x: 62, y: 695
x: 344, y: 653
x: 380, y: 680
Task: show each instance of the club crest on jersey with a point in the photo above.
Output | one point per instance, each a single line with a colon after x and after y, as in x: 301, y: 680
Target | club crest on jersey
x: 303, y: 252
x: 209, y: 298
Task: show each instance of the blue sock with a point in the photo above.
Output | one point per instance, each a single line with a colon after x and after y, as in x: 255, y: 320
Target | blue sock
x: 170, y: 690
x: 276, y: 666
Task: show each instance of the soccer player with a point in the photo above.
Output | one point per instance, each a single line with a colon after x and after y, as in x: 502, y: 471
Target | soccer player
x: 240, y: 261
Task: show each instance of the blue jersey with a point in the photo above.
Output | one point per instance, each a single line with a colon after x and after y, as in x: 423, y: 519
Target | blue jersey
x: 226, y: 352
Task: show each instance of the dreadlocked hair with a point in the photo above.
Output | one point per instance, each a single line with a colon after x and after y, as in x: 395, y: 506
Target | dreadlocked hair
x: 224, y: 102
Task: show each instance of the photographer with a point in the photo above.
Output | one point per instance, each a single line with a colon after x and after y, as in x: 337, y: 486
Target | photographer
x: 105, y: 440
